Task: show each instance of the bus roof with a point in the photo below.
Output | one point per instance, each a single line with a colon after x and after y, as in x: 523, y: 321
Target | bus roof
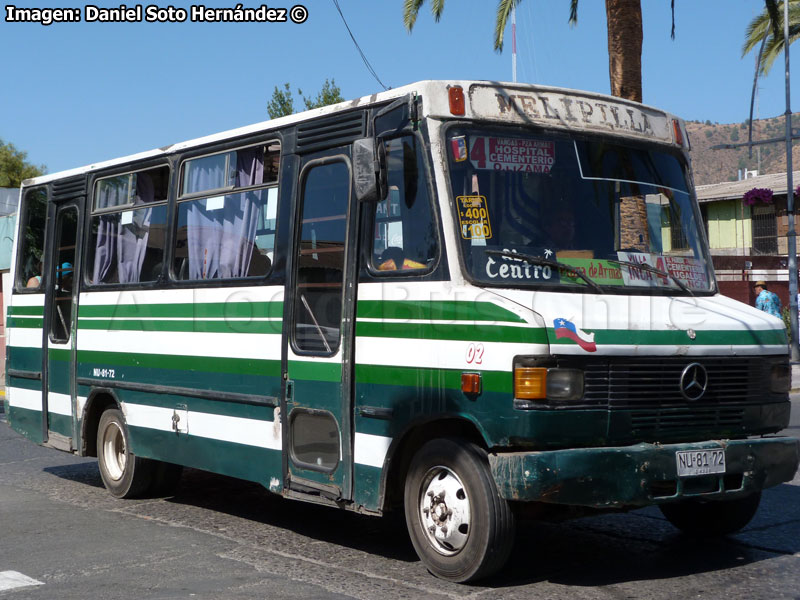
x: 484, y: 100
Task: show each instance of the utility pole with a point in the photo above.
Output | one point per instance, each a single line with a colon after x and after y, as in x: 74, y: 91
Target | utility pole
x: 791, y: 235
x: 514, y: 44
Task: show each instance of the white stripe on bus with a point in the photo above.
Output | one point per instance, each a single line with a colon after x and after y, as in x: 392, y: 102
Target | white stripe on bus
x: 182, y: 343
x: 237, y: 430
x: 184, y: 296
x: 27, y: 399
x: 371, y: 449
x: 60, y: 404
x: 22, y: 337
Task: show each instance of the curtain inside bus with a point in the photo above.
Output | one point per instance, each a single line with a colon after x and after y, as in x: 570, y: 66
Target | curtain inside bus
x: 121, y: 237
x: 221, y: 230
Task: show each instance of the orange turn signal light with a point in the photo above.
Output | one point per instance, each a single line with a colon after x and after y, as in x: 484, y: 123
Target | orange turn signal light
x: 676, y: 130
x: 457, y: 104
x: 471, y: 383
x: 530, y: 383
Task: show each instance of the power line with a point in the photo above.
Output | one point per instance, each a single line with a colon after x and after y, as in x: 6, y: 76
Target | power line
x: 363, y: 57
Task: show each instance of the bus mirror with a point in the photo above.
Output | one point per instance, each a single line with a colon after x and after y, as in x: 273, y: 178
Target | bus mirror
x: 369, y: 166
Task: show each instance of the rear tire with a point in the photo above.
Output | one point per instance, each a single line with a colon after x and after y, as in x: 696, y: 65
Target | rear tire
x: 712, y: 517
x: 461, y: 528
x: 123, y: 474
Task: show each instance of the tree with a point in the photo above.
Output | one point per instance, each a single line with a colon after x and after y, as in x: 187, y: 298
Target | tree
x: 282, y: 102
x: 14, y: 168
x: 330, y: 94
x: 767, y: 29
x: 624, y: 20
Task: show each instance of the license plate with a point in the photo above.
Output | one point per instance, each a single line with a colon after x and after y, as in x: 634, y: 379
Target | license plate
x: 700, y: 462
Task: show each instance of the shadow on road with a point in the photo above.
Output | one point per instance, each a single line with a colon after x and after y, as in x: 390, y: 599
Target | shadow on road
x: 594, y: 551
x: 252, y: 503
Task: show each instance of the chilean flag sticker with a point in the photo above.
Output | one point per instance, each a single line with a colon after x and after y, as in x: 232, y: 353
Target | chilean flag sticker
x: 567, y: 329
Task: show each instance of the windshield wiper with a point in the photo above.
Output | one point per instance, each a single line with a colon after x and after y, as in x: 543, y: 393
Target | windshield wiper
x: 652, y: 269
x: 546, y: 262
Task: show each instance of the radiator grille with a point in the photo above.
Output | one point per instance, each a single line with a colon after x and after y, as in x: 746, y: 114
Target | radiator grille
x: 644, y: 399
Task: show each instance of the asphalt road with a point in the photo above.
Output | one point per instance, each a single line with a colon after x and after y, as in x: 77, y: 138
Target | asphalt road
x: 222, y: 538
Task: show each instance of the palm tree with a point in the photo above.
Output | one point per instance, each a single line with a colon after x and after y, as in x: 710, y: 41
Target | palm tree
x: 624, y: 19
x: 766, y: 30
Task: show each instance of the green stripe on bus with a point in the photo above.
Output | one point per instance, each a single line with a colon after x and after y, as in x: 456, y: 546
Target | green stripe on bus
x: 626, y: 337
x: 211, y: 310
x: 192, y: 326
x: 31, y: 311
x: 415, y: 377
x: 210, y: 364
x: 23, y: 359
x: 443, y: 331
x: 315, y: 371
x: 438, y: 310
x: 25, y: 322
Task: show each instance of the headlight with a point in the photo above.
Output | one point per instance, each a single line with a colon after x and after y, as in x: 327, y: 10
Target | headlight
x: 780, y: 379
x: 546, y: 385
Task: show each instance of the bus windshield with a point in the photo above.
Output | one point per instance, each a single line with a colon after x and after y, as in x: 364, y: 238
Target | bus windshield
x: 593, y: 205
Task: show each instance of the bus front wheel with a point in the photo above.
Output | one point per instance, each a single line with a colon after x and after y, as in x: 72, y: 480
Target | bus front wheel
x: 459, y: 525
x: 124, y: 474
x: 712, y: 517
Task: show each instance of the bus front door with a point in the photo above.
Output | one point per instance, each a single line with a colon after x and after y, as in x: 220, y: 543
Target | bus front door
x: 60, y: 298
x: 320, y: 298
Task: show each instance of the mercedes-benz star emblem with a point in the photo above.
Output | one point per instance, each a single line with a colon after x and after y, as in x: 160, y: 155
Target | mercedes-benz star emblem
x: 694, y: 381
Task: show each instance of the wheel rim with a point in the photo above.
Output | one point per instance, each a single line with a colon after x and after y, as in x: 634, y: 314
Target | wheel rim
x: 115, y: 455
x: 444, y: 511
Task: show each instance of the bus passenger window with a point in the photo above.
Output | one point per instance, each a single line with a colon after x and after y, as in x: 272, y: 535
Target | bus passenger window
x: 405, y: 239
x: 128, y: 227
x: 34, y: 212
x: 230, y: 233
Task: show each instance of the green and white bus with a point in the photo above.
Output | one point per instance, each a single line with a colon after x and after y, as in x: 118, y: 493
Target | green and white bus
x: 464, y: 300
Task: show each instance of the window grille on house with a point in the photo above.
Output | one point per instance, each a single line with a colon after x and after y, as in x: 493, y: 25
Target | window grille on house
x: 765, y: 230
x: 677, y: 234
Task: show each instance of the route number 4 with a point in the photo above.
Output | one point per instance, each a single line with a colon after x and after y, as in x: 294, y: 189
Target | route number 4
x: 475, y: 354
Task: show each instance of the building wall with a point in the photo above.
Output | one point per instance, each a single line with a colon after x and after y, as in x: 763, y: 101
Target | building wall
x: 729, y: 225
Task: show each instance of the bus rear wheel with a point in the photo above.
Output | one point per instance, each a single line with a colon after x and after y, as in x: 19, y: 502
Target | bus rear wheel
x: 712, y: 517
x: 460, y: 527
x: 124, y: 474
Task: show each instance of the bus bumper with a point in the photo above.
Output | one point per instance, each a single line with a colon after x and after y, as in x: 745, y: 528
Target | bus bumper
x: 640, y: 475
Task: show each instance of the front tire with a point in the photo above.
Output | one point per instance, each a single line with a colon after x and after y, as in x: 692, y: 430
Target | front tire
x: 460, y: 527
x: 712, y: 517
x: 124, y: 474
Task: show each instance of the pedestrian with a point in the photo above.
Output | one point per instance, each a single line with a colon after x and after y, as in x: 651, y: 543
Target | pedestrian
x: 766, y: 300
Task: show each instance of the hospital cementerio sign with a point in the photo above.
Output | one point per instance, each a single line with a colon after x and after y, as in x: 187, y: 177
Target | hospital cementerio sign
x: 563, y: 109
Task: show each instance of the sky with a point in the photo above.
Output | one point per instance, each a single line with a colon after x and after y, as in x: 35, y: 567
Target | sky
x: 73, y: 94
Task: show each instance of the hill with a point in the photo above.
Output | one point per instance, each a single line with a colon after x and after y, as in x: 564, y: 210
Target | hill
x: 716, y: 166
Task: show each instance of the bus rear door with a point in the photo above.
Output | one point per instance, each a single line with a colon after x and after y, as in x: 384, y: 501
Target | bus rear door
x: 60, y: 311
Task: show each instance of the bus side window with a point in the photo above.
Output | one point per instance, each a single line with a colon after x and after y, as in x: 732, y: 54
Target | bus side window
x: 405, y: 239
x: 223, y: 232
x: 31, y: 241
x: 128, y: 227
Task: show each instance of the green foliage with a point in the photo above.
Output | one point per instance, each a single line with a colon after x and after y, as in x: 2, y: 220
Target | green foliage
x: 708, y: 122
x: 282, y: 103
x: 14, y: 168
x: 765, y: 26
x: 787, y: 322
x: 330, y: 94
x: 734, y: 135
x: 708, y: 134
